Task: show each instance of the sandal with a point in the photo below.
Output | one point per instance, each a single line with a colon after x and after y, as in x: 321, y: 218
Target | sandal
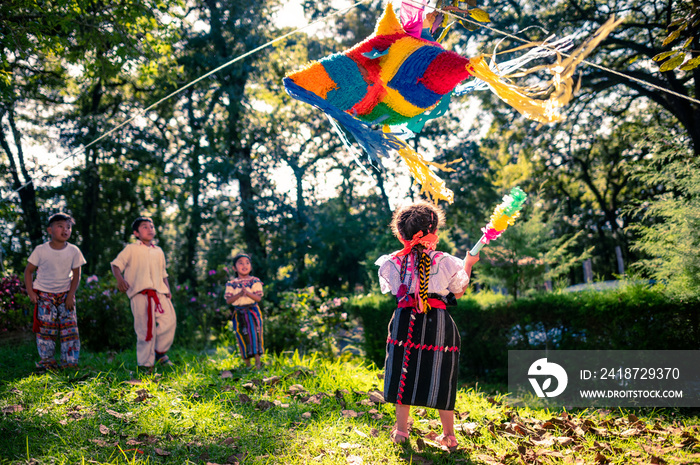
x: 449, y: 442
x: 398, y: 437
x: 165, y: 361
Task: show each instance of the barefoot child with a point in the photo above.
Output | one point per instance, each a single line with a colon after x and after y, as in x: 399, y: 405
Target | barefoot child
x: 422, y: 354
x: 244, y: 292
x: 57, y: 264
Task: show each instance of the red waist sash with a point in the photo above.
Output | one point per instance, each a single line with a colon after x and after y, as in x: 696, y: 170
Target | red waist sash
x: 151, y: 294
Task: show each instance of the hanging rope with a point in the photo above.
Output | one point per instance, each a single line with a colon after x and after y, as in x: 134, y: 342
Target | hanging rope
x: 602, y: 68
x: 284, y: 36
x: 181, y: 89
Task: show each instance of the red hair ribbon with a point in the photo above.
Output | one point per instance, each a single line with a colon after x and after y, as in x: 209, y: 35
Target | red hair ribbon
x: 429, y: 242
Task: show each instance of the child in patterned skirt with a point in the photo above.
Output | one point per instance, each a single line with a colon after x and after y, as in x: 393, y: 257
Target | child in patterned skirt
x: 244, y: 292
x: 57, y: 264
x: 422, y: 352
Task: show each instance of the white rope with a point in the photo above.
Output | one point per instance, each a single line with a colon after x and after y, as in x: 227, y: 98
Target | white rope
x: 603, y: 68
x: 251, y: 52
x: 214, y: 71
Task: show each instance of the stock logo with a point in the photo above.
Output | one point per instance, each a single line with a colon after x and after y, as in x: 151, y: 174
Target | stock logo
x: 542, y: 369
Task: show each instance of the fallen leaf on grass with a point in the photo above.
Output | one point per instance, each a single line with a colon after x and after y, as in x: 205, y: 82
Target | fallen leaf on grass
x: 376, y: 397
x: 244, y: 398
x: 349, y: 413
x: 374, y: 433
x: 133, y: 442
x: 421, y: 412
x: 469, y: 429
x: 306, y: 415
x: 355, y: 460
x: 315, y: 399
x: 148, y: 438
x: 600, y: 458
x: 103, y: 443
x: 228, y: 441
x: 121, y: 416
x: 63, y: 399
x: 271, y: 381
x: 236, y: 459
x: 296, y: 389
x: 347, y: 445
x: 161, y: 452
x: 104, y: 430
x: 226, y: 374
x: 141, y: 395
x: 359, y: 433
x: 264, y: 405
x: 630, y: 433
x: 12, y: 409
x: 488, y: 459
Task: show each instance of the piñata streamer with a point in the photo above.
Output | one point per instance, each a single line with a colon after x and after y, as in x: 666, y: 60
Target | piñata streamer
x: 504, y: 215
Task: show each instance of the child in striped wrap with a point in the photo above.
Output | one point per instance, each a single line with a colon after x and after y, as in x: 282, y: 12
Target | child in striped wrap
x: 422, y: 352
x: 243, y: 293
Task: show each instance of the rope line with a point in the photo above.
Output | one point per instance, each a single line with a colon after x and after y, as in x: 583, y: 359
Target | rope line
x: 187, y: 86
x: 594, y: 65
x: 299, y: 29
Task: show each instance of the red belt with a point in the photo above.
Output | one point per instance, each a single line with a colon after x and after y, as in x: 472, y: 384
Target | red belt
x: 411, y: 302
x: 151, y: 294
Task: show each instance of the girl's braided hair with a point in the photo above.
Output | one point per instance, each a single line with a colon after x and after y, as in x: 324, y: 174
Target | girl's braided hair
x: 420, y: 216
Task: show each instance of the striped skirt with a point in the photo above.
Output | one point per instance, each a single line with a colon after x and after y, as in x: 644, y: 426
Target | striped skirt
x: 422, y: 359
x: 247, y: 322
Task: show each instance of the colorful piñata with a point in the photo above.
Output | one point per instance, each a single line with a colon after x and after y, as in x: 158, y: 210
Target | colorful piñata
x: 399, y: 78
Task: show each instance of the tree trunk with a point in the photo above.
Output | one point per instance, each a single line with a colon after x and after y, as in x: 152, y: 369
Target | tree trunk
x: 188, y: 271
x: 22, y: 184
x: 90, y: 245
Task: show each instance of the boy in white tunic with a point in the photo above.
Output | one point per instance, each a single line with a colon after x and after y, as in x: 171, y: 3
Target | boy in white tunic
x: 140, y: 272
x: 57, y: 264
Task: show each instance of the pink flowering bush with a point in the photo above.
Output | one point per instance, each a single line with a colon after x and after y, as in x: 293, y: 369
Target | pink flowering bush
x: 104, y: 315
x: 306, y: 320
x: 16, y: 310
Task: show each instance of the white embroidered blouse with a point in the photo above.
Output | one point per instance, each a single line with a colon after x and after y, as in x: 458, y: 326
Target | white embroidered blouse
x: 446, y: 274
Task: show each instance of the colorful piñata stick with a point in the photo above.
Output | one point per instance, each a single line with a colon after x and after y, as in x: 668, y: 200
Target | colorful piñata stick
x: 504, y: 215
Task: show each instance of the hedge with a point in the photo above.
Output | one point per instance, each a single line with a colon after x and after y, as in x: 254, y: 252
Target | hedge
x: 634, y: 317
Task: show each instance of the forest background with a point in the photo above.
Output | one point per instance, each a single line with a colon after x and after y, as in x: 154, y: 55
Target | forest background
x: 233, y: 164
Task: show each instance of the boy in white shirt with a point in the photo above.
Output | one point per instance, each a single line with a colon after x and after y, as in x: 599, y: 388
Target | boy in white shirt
x: 57, y: 264
x: 145, y: 281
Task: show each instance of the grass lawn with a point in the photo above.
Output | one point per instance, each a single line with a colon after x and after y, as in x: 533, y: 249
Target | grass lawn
x: 297, y: 410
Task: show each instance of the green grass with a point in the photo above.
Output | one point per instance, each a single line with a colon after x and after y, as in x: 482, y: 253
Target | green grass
x: 190, y: 414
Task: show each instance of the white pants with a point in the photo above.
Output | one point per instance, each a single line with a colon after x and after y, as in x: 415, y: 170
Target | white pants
x: 162, y: 328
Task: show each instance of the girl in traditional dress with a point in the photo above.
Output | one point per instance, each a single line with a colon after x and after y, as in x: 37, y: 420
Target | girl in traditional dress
x: 422, y: 352
x: 244, y: 292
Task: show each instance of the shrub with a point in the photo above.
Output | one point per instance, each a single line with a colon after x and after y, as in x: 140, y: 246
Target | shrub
x: 634, y: 317
x: 16, y: 309
x: 306, y: 320
x: 202, y: 312
x: 105, y: 321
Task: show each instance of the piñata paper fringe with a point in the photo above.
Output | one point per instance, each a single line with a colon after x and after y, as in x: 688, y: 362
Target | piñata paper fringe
x: 542, y: 103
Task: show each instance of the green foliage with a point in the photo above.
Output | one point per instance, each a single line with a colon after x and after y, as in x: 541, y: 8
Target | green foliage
x: 16, y: 310
x: 633, y: 317
x: 104, y: 315
x: 670, y: 234
x: 374, y: 310
x: 684, y: 26
x: 530, y: 252
x: 306, y: 320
